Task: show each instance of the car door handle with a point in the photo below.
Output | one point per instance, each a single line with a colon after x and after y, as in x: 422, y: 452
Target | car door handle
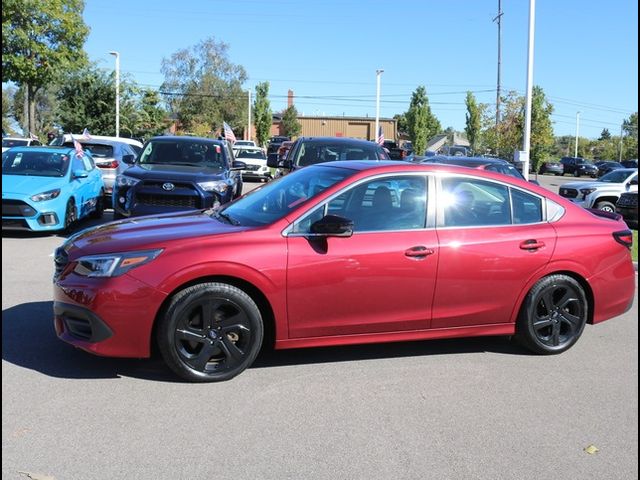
x: 531, y: 244
x: 418, y: 252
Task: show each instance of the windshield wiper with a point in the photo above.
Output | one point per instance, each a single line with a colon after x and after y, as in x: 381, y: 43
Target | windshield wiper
x: 228, y: 218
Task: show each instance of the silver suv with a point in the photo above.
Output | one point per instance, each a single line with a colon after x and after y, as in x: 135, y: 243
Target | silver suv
x: 604, y: 192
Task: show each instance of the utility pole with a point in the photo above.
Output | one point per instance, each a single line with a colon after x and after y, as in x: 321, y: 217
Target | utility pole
x: 526, y: 144
x: 375, y: 133
x: 498, y: 18
x: 620, y: 153
x: 577, y: 132
x: 117, y: 55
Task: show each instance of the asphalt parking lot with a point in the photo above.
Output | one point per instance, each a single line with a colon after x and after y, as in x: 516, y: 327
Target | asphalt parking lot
x: 478, y: 408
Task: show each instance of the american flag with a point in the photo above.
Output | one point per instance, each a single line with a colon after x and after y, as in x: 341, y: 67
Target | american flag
x: 380, y: 138
x: 78, y: 146
x: 85, y: 134
x: 32, y: 136
x: 228, y: 133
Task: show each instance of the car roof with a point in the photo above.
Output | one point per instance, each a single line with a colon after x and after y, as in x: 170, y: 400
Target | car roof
x: 185, y: 139
x: 356, y: 141
x: 81, y: 138
x: 44, y: 149
x: 466, y: 161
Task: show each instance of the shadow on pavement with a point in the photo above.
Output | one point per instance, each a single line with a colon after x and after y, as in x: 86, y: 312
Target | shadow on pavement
x: 29, y: 341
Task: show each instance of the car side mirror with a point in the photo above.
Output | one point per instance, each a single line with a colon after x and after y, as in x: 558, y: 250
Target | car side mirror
x: 80, y: 174
x: 129, y: 159
x: 238, y: 165
x: 333, y: 226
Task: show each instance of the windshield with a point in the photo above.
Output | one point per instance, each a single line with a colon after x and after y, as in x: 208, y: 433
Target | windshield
x: 12, y: 142
x: 250, y: 154
x: 311, y: 153
x: 37, y: 164
x: 276, y: 199
x: 177, y: 152
x: 616, y: 176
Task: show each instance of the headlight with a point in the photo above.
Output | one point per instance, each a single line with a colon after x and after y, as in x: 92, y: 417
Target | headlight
x: 586, y: 191
x: 124, y: 181
x: 50, y: 195
x: 219, y: 186
x: 113, y: 264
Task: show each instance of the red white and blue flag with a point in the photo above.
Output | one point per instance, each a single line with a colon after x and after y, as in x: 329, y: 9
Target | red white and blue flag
x: 228, y: 133
x: 32, y: 136
x: 380, y: 137
x: 85, y: 134
x: 78, y: 146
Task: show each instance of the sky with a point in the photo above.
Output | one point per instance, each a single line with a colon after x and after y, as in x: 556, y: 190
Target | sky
x: 327, y: 52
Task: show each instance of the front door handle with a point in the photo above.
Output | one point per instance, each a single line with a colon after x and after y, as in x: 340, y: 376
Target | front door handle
x: 531, y: 244
x: 418, y: 252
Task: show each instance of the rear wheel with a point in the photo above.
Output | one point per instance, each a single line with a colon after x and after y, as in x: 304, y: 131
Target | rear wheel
x: 553, y: 315
x: 606, y: 206
x: 210, y: 332
x: 576, y: 173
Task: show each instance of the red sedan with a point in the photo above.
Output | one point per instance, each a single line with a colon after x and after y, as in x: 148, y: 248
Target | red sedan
x: 344, y: 253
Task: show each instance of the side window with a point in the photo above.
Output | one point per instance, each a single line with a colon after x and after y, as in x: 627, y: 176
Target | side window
x: 77, y: 164
x: 87, y: 163
x: 526, y: 208
x: 386, y: 204
x: 470, y: 202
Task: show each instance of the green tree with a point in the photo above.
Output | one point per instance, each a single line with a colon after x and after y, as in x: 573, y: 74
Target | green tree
x: 7, y: 108
x: 630, y: 137
x: 262, y: 113
x: 290, y: 125
x: 421, y: 123
x: 152, y: 118
x: 44, y: 112
x: 541, y: 127
x: 605, y: 134
x: 473, y: 126
x: 202, y: 86
x: 40, y: 39
x: 401, y: 119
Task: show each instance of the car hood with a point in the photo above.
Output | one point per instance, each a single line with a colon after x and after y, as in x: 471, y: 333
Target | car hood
x: 175, y: 173
x: 30, y: 184
x: 147, y: 232
x: 598, y: 185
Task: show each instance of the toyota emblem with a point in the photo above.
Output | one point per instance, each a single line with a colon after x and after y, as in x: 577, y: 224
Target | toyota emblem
x: 168, y: 186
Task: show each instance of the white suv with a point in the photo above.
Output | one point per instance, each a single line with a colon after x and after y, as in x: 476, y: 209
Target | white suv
x: 604, y: 192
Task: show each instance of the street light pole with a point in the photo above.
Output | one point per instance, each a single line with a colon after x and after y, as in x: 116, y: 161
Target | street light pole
x: 527, y: 119
x: 249, y: 117
x: 577, y: 132
x: 375, y: 133
x: 117, y: 55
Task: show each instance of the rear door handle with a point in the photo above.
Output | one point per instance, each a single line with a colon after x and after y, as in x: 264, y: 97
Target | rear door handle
x: 418, y: 252
x: 531, y: 244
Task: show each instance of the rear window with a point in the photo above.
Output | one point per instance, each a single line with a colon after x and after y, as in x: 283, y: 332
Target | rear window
x: 98, y: 150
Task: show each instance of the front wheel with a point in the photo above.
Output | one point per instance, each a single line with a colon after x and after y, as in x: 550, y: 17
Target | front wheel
x: 606, y: 206
x: 576, y: 173
x: 553, y: 315
x: 70, y: 215
x: 99, y: 211
x: 210, y: 332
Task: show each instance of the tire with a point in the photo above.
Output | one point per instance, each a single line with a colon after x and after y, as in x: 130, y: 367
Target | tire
x: 99, y: 211
x: 606, y: 206
x: 70, y: 215
x: 210, y: 332
x: 553, y: 315
x: 576, y: 173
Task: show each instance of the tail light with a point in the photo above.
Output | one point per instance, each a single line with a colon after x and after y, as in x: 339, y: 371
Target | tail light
x: 624, y: 237
x: 112, y: 164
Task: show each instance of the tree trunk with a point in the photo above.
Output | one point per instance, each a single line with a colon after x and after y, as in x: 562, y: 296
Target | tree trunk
x: 25, y: 113
x: 32, y: 110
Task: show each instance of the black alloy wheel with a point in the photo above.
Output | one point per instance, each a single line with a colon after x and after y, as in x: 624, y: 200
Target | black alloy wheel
x: 553, y: 315
x: 210, y: 332
x: 70, y: 215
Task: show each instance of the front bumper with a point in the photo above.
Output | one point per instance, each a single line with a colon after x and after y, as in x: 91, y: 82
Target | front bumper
x: 111, y: 317
x: 20, y: 213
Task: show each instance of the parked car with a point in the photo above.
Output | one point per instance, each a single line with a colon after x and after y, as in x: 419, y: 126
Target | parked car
x: 344, y: 253
x: 176, y: 174
x: 395, y: 152
x: 630, y: 163
x: 136, y: 145
x: 607, y: 166
x: 578, y: 166
x: 8, y: 142
x: 627, y: 206
x: 311, y: 150
x: 548, y: 168
x: 49, y: 188
x: 604, y: 192
x: 112, y: 155
x: 275, y: 142
x: 256, y: 163
x: 244, y: 143
x: 482, y: 163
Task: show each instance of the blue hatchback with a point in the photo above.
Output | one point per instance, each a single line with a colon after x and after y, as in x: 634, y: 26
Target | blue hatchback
x: 49, y: 188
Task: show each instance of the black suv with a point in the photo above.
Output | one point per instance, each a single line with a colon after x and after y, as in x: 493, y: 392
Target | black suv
x: 627, y: 206
x: 275, y: 142
x: 311, y: 150
x: 578, y: 166
x: 178, y: 173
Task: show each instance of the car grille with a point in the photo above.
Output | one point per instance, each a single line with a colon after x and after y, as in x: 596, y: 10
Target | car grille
x: 60, y: 261
x: 16, y: 208
x: 568, y: 192
x: 252, y: 168
x: 167, y: 200
x: 628, y: 200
